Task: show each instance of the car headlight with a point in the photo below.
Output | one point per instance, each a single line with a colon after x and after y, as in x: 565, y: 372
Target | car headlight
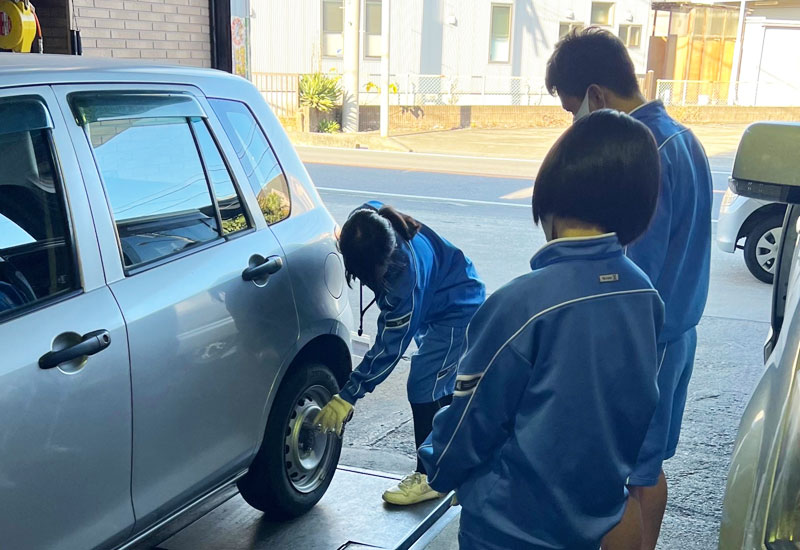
x: 728, y: 198
x: 783, y: 522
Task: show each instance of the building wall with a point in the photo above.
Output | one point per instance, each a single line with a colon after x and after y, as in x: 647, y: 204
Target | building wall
x: 438, y: 37
x: 769, y: 65
x: 174, y: 31
x: 54, y: 16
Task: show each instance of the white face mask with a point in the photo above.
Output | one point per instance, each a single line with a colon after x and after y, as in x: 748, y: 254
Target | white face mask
x: 583, y: 110
x: 547, y: 227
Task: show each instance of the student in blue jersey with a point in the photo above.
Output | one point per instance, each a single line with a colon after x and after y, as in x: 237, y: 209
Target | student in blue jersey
x: 557, y: 383
x: 591, y: 69
x: 426, y: 290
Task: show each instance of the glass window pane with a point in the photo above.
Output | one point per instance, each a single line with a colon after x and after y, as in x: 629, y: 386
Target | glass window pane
x: 333, y: 16
x: 372, y: 45
x: 501, y: 21
x: 372, y: 19
x: 156, y: 186
x: 36, y: 253
x: 635, y: 36
x: 228, y: 201
x: 259, y: 162
x: 332, y: 44
x: 602, y: 13
x: 499, y: 45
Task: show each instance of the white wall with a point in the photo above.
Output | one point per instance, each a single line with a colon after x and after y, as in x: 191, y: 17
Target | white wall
x: 770, y: 66
x: 447, y: 37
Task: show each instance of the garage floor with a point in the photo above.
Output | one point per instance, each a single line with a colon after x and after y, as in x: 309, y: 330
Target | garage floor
x: 350, y: 516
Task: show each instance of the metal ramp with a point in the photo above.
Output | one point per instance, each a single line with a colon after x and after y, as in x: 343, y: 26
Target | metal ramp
x: 351, y: 516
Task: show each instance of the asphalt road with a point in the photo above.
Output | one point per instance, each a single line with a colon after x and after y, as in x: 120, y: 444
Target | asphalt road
x: 489, y: 218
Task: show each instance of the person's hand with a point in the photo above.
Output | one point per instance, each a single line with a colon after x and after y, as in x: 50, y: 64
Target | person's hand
x: 334, y: 416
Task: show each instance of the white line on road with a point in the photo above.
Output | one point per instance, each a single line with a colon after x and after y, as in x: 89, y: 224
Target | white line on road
x: 414, y: 153
x: 445, y: 155
x: 420, y: 197
x: 424, y: 198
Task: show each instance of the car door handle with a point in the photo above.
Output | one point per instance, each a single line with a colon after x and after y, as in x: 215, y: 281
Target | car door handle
x: 91, y: 343
x: 267, y: 267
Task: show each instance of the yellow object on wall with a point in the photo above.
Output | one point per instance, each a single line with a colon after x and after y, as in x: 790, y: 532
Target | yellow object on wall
x: 17, y: 26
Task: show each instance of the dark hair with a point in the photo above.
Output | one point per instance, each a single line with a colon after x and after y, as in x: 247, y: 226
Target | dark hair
x: 590, y: 56
x: 604, y: 170
x: 368, y: 241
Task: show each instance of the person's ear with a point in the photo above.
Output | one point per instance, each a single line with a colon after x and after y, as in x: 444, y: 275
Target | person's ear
x: 597, y: 97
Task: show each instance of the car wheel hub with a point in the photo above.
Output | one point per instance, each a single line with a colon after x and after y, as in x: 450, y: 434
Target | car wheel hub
x: 307, y: 451
x: 767, y: 249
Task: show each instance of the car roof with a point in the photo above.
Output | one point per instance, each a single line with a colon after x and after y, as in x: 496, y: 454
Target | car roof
x: 40, y: 69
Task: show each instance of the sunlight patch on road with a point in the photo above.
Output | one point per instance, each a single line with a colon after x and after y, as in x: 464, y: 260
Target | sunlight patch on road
x: 524, y: 193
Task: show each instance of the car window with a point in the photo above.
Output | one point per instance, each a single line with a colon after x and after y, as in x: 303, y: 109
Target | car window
x: 164, y: 195
x: 230, y: 206
x: 36, y: 254
x: 258, y: 160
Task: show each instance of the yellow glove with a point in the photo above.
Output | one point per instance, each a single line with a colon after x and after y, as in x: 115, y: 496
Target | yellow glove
x: 334, y: 415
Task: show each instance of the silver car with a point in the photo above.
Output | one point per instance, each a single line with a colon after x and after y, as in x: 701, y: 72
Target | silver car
x: 756, y: 222
x: 761, y: 508
x: 172, y: 305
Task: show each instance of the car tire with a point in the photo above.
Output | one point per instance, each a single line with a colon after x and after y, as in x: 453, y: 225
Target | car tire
x: 296, y: 463
x: 761, y: 248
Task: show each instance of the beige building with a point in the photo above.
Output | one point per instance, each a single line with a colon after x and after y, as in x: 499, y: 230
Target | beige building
x: 186, y: 32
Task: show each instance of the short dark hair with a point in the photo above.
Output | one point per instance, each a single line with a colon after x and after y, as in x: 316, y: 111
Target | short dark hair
x: 604, y: 170
x: 368, y: 241
x: 590, y: 56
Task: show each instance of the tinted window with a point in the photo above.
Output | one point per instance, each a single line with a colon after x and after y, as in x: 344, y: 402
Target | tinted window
x: 36, y: 258
x: 259, y: 162
x: 230, y: 206
x: 156, y: 186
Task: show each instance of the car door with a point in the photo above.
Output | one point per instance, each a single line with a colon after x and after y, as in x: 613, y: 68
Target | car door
x: 65, y: 413
x: 199, y: 279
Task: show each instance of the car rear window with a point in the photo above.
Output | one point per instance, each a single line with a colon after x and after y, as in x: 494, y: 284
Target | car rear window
x: 257, y: 157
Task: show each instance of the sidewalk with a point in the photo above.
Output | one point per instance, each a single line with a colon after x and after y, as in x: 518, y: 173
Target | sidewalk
x: 533, y: 143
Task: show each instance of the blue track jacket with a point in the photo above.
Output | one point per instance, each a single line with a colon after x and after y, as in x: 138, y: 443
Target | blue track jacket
x: 439, y: 286
x: 675, y: 252
x: 554, y: 395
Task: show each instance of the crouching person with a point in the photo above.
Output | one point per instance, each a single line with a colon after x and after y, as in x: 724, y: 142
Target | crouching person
x: 557, y: 384
x: 427, y: 290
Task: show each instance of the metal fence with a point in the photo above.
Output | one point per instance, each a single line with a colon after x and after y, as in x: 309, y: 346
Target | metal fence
x: 697, y: 93
x: 421, y: 90
x: 281, y: 90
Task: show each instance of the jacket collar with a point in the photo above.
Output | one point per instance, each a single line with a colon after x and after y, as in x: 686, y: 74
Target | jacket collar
x: 576, y: 248
x: 653, y: 108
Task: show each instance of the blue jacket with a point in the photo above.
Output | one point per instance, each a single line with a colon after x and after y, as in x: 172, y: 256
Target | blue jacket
x: 554, y: 395
x: 676, y: 250
x: 438, y: 286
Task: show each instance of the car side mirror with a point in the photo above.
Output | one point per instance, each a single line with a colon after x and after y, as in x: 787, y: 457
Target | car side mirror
x: 767, y: 165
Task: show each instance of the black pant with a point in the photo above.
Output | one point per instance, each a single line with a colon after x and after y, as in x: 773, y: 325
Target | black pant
x: 423, y: 414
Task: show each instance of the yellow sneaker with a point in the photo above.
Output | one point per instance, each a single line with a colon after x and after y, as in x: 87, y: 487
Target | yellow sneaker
x: 412, y: 489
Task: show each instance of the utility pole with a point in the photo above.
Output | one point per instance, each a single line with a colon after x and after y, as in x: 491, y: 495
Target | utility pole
x: 350, y: 62
x: 736, y: 66
x: 386, y: 10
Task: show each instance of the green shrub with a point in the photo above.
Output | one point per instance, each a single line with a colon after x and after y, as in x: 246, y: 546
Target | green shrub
x: 319, y: 91
x: 328, y: 126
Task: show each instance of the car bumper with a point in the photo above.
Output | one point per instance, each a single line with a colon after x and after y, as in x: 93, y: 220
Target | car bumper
x: 734, y: 212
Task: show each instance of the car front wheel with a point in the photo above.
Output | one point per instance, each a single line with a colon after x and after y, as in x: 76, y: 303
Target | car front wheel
x: 296, y: 462
x: 761, y: 248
